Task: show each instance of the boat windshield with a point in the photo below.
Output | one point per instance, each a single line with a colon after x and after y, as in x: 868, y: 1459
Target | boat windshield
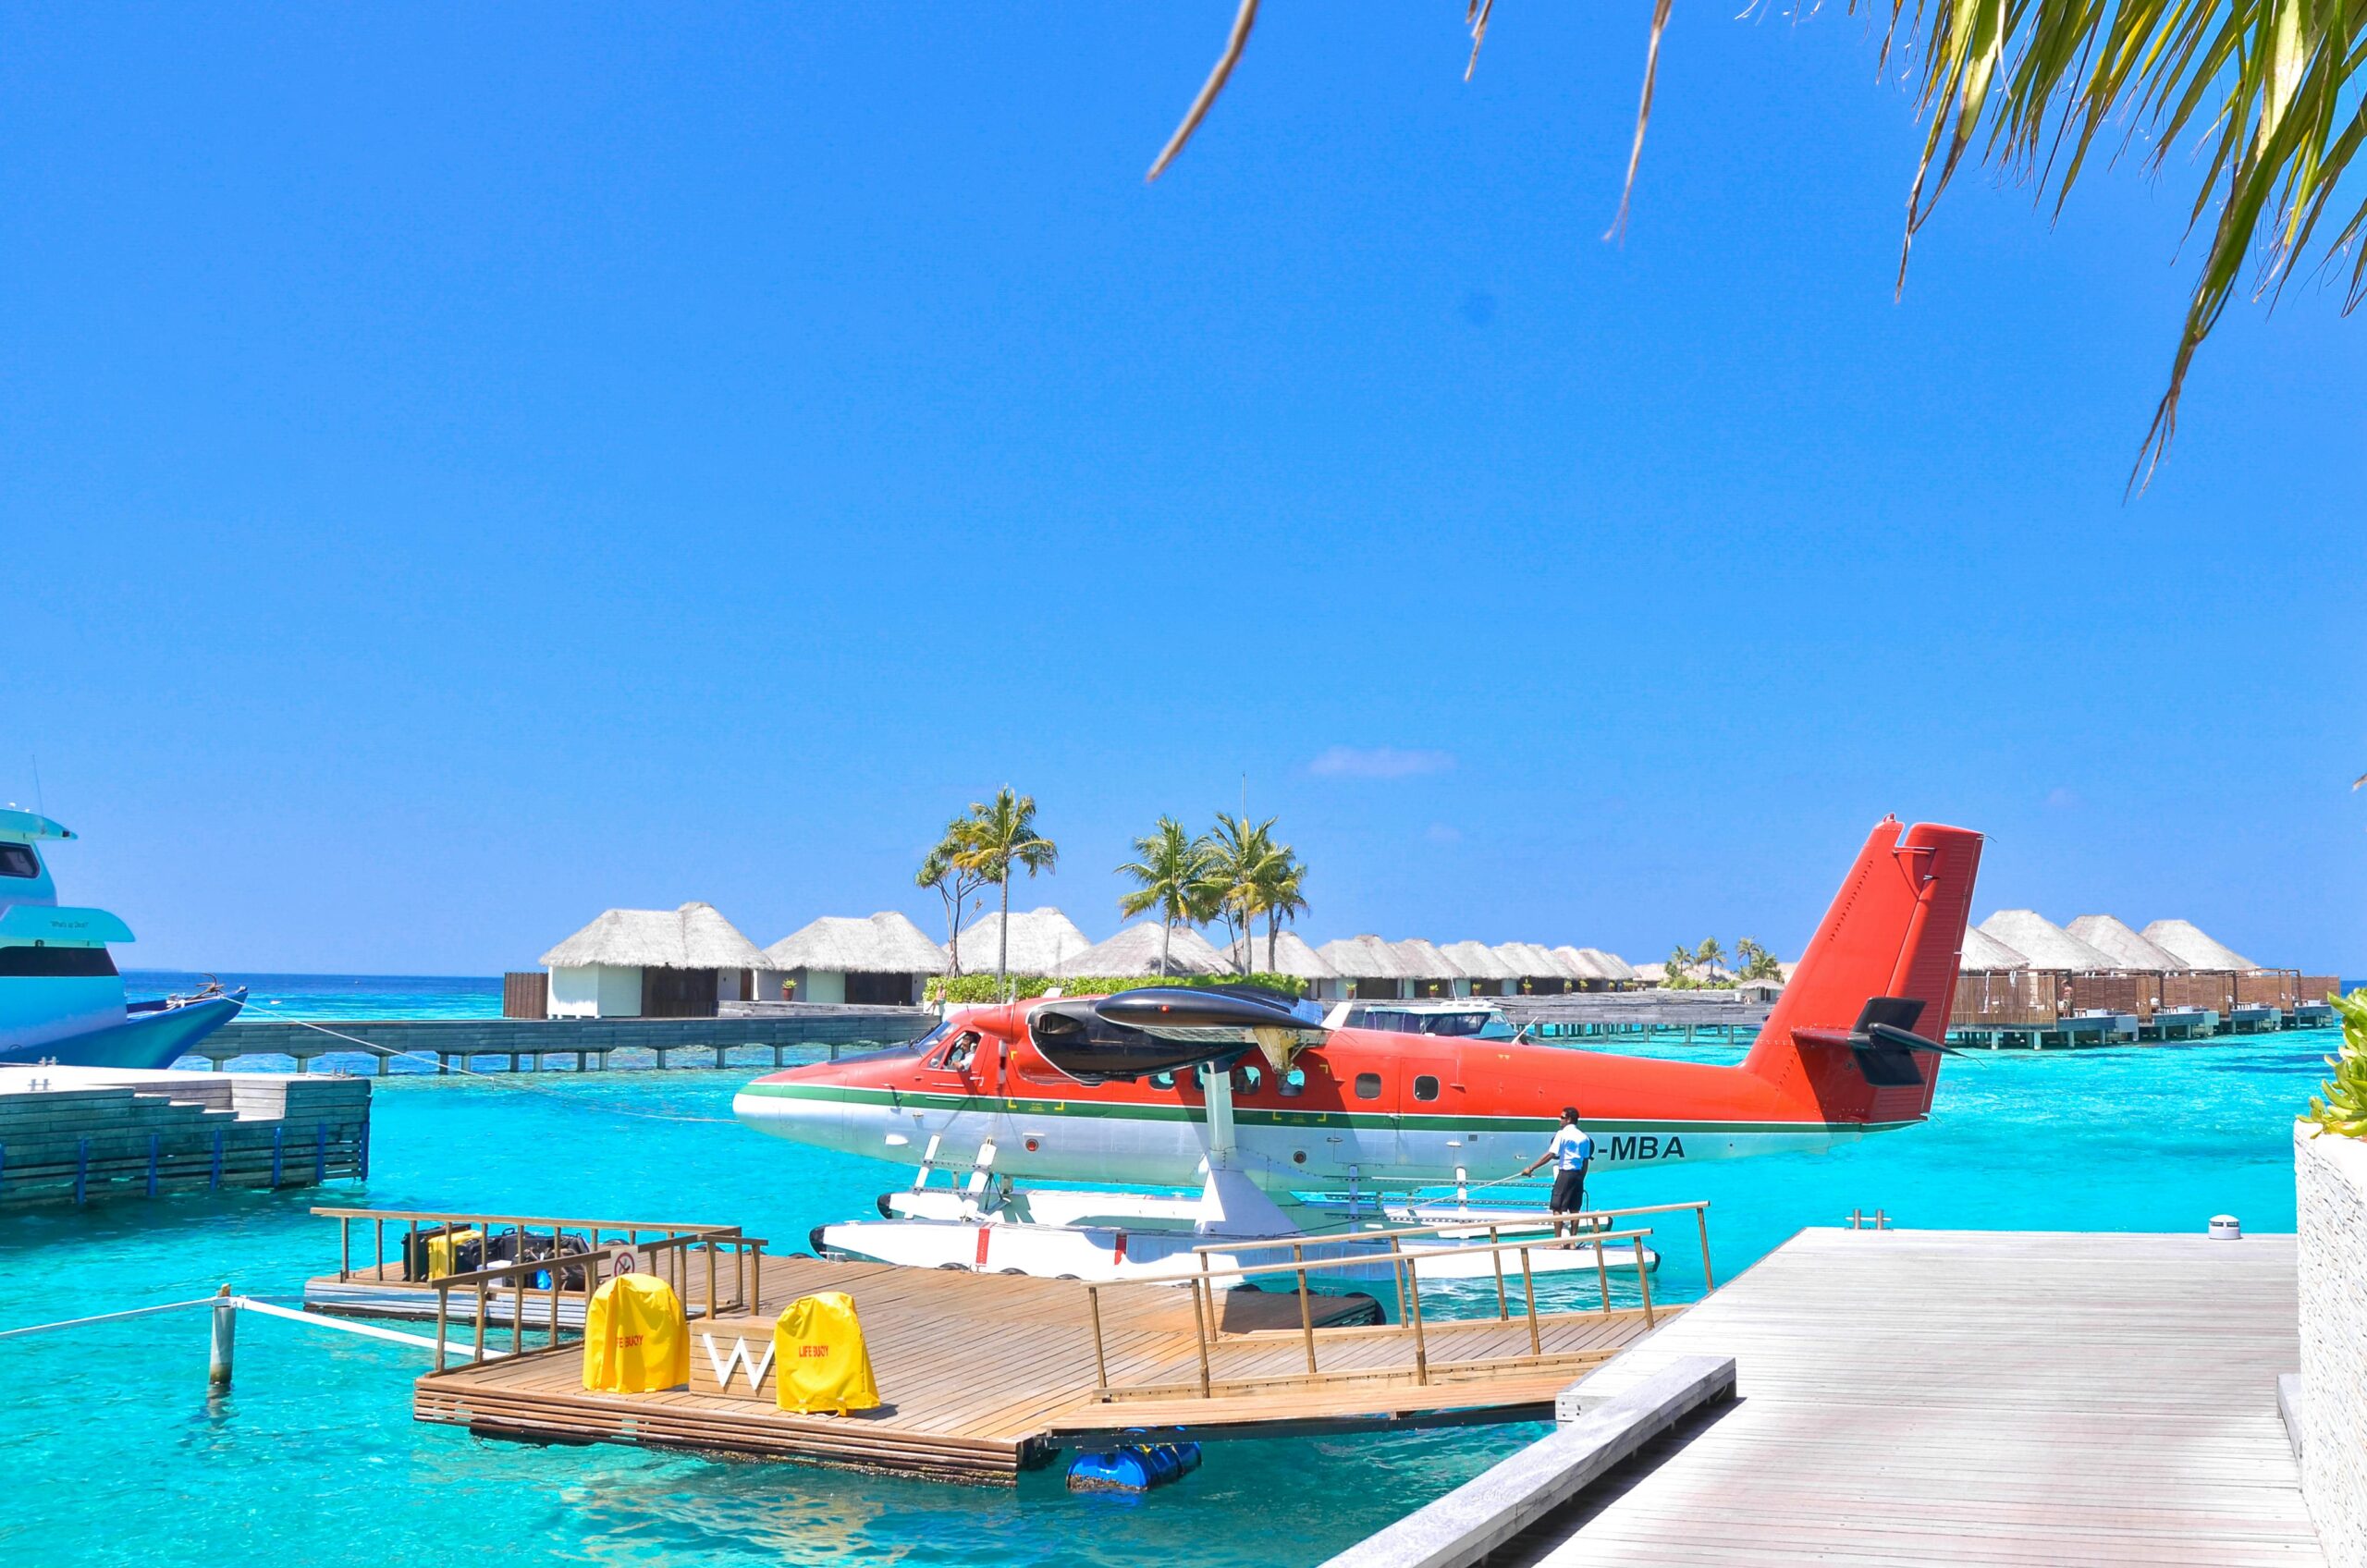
x: 1407, y: 1021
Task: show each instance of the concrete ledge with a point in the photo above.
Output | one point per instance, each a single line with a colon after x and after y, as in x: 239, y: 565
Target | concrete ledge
x: 1483, y: 1513
x: 2289, y: 1408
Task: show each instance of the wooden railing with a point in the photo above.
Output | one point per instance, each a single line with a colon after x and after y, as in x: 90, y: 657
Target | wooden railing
x: 1554, y: 1233
x: 490, y: 1225
x: 668, y: 1259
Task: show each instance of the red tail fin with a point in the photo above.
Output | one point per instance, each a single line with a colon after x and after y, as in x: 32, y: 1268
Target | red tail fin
x: 1891, y: 938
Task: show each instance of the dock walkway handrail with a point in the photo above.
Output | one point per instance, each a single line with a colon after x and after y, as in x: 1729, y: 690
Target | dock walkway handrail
x: 747, y: 1277
x: 490, y: 1224
x: 1403, y: 1264
x: 1593, y: 1219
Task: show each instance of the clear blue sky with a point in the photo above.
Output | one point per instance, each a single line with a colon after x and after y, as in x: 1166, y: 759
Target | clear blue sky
x: 464, y: 470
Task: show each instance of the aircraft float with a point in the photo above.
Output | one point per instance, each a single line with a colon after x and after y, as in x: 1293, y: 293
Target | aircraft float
x: 1248, y: 1093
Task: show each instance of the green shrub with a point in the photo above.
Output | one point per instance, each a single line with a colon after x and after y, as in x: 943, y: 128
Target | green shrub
x: 965, y: 990
x: 2343, y: 1108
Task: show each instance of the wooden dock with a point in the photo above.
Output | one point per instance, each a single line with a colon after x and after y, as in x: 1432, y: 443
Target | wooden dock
x: 87, y: 1134
x: 983, y: 1375
x: 1965, y: 1397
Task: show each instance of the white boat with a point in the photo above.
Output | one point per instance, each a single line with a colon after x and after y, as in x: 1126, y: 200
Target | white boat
x: 61, y: 998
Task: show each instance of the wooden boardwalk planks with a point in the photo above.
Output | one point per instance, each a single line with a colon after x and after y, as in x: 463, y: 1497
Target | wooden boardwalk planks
x: 984, y: 1373
x: 2011, y: 1398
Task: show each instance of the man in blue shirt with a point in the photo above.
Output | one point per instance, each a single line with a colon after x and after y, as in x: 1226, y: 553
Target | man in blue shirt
x: 1570, y: 1151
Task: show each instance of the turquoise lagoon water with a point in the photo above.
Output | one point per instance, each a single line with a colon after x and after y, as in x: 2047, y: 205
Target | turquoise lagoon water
x: 338, y: 996
x: 119, y: 1456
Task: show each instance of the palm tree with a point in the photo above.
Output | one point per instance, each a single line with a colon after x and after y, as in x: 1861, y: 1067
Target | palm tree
x: 1003, y: 835
x: 1276, y: 888
x: 1678, y: 967
x: 942, y: 869
x: 2270, y: 88
x: 1169, y: 876
x: 1708, y: 956
x: 1236, y: 849
x: 1756, y: 963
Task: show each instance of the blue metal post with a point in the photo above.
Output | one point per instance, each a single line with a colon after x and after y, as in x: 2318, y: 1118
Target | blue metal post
x: 213, y: 1182
x: 365, y: 1148
x: 82, y: 1166
x: 155, y: 1144
x: 320, y: 1153
x: 278, y: 1139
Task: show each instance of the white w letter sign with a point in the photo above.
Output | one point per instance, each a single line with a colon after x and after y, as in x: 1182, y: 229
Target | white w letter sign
x: 726, y: 1366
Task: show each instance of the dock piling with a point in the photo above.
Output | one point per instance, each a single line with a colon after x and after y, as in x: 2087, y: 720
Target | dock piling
x: 223, y: 1349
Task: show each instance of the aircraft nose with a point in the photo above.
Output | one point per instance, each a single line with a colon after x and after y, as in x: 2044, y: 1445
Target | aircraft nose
x: 788, y: 1110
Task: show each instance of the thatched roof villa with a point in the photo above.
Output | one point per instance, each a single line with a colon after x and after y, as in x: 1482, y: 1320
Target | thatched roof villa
x: 1369, y: 967
x: 1596, y: 970
x: 1536, y: 970
x: 652, y: 963
x: 2045, y: 944
x: 1983, y: 952
x: 1428, y: 971
x: 2195, y: 948
x: 881, y: 962
x: 1482, y: 972
x: 1135, y: 952
x: 1041, y: 940
x: 2117, y: 942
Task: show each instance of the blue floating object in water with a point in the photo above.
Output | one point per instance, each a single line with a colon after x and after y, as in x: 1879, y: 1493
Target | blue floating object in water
x: 1187, y: 1457
x: 1124, y: 1470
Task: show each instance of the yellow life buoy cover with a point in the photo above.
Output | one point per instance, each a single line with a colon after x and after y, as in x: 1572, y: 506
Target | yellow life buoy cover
x: 635, y: 1341
x: 819, y: 1361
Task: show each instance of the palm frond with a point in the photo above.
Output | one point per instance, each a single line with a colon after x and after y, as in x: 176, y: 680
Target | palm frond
x: 1235, y: 42
x: 2270, y: 87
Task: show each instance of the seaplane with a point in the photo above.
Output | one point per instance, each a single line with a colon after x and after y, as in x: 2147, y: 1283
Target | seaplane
x: 1252, y: 1097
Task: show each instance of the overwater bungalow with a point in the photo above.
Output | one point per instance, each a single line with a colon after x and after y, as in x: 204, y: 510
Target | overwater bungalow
x: 1041, y: 940
x: 1135, y: 952
x: 1536, y: 970
x: 2195, y: 948
x: 1369, y: 967
x: 1595, y: 970
x: 2094, y: 982
x: 1482, y: 972
x: 1293, y: 956
x: 1428, y: 971
x: 652, y: 963
x: 883, y: 960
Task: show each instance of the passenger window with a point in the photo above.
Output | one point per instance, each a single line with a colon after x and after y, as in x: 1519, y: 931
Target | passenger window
x: 1368, y: 1085
x: 17, y: 861
x: 1162, y: 1080
x: 1426, y: 1087
x: 1247, y: 1080
x: 1294, y: 1082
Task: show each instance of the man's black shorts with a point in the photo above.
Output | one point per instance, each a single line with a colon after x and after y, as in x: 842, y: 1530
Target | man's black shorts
x: 1569, y: 1193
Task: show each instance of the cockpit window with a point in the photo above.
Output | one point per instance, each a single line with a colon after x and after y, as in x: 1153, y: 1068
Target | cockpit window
x: 17, y: 859
x: 958, y: 1054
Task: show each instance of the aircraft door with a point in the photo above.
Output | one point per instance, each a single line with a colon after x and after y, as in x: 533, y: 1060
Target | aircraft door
x: 1428, y: 1101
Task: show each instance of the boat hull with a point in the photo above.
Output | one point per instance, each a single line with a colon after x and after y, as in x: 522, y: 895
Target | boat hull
x: 144, y: 1039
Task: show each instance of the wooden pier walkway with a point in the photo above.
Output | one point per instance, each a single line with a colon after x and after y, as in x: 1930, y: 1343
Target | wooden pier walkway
x: 436, y: 1045
x: 1961, y: 1397
x: 983, y: 1375
x: 87, y: 1134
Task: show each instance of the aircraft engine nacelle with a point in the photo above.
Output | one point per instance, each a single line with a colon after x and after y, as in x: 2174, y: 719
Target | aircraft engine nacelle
x: 1168, y: 1029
